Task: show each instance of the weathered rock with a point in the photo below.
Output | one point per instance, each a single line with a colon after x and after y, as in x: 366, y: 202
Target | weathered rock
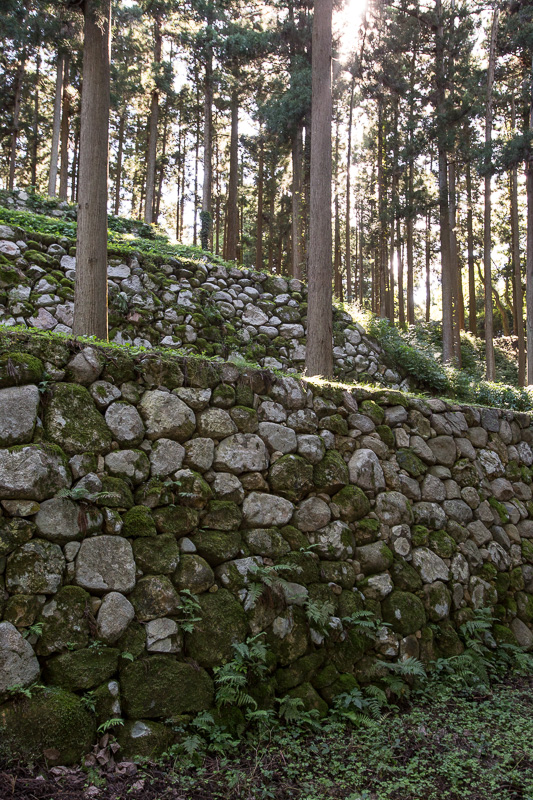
x: 331, y: 474
x: 154, y: 596
x: 33, y: 472
x: 312, y: 514
x: 64, y: 621
x: 278, y: 437
x: 85, y: 367
x: 375, y: 557
x: 60, y: 520
x: 166, y: 457
x: 104, y: 564
x: 128, y: 464
x: 82, y: 669
x: 125, y: 423
x: 404, y: 612
x: 199, y: 454
x: 264, y: 510
x: 365, y: 471
x: 72, y: 421
x: 19, y: 406
x: 242, y: 452
x: 334, y: 542
x: 18, y: 663
x: 161, y: 687
x: 114, y: 616
x: 393, y: 508
x: 430, y: 566
x: 35, y: 568
x: 166, y: 416
x: 222, y: 624
x: 193, y: 573
x: 291, y: 477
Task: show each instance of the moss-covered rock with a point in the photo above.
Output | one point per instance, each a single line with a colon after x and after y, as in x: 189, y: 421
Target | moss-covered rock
x: 419, y: 535
x: 157, y: 556
x: 404, y: 611
x: 410, y: 462
x: 447, y: 641
x: 352, y: 502
x: 372, y: 410
x: 176, y: 520
x: 138, y: 522
x: 266, y: 542
x: 375, y: 557
x: 82, y: 669
x: 115, y: 493
x: 339, y: 572
x: 154, y: 596
x: 218, y: 546
x: 344, y: 684
x: 437, y: 600
x: 223, y: 623
x: 53, y: 724
x: 144, y: 738
x: 72, y: 421
x: 288, y: 636
x: 222, y: 515
x: 14, y: 533
x: 65, y: 621
x: 21, y: 610
x: 19, y: 369
x: 331, y: 474
x: 301, y: 671
x: 310, y: 698
x: 159, y: 687
x: 245, y: 419
x: 193, y: 573
x: 191, y: 489
x: 366, y: 531
x: 442, y: 544
x: 291, y: 477
x: 405, y: 576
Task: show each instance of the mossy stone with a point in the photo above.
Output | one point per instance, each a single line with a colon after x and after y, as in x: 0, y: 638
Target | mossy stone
x: 326, y: 677
x: 201, y: 374
x: 438, y: 601
x: 405, y: 576
x: 502, y: 584
x: 419, y: 535
x: 14, y: 533
x: 244, y: 395
x: 344, y: 684
x: 527, y: 550
x: 288, y: 636
x: 161, y: 687
x: 72, y: 421
x: 245, y: 419
x: 447, y: 641
x: 138, y: 522
x: 115, y: 493
x: 218, y: 546
x: 21, y: 610
x: 465, y: 473
x: 133, y: 640
x: 291, y: 477
x: 310, y: 698
x: 345, y: 655
x: 192, y: 490
x: 304, y: 567
x: 524, y: 606
x: 193, y: 573
x: 144, y: 739
x: 82, y: 669
x: 410, y: 462
x: 366, y: 531
x: 19, y: 369
x: 500, y: 510
x: 504, y: 635
x: 352, y: 502
x: 106, y: 701
x: 160, y: 371
x: 442, y: 544
x: 516, y: 579
x: 301, y: 671
x: 155, y: 492
x: 154, y: 596
x: 404, y: 611
x: 340, y: 572
x: 223, y: 623
x: 294, y: 537
x: 177, y: 520
x: 157, y: 556
x: 336, y: 424
x: 371, y: 409
x: 53, y: 724
x: 222, y: 515
x: 223, y: 396
x: 65, y: 622
x: 266, y: 542
x: 331, y: 473
x: 349, y: 603
x: 120, y: 368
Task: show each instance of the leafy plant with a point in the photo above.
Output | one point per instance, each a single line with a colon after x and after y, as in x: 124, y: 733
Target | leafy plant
x: 114, y: 722
x: 189, y: 610
x: 34, y: 630
x: 232, y: 679
x: 266, y: 576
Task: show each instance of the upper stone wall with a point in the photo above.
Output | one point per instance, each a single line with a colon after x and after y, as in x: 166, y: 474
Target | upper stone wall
x: 127, y: 480
x: 197, y: 306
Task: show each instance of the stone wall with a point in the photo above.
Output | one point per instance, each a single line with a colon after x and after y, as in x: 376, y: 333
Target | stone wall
x: 127, y: 482
x: 197, y: 306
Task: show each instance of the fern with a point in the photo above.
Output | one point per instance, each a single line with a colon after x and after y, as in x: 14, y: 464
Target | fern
x: 319, y: 615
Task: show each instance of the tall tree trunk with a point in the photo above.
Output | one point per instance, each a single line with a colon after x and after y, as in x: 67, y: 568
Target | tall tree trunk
x: 161, y: 178
x: 259, y: 225
x: 472, y: 313
x: 319, y: 352
x: 337, y: 282
x: 118, y: 176
x: 35, y: 131
x: 272, y: 199
x: 207, y: 189
x: 381, y: 287
x: 409, y: 224
x: 90, y: 294
x: 65, y: 126
x: 348, y: 243
x: 52, y: 175
x: 428, y: 265
x: 444, y: 220
x: 487, y: 232
x: 196, y: 152
x: 297, y: 212
x: 401, y: 300
x: 529, y: 246
x: 75, y: 166
x: 233, y: 180
x: 454, y: 265
x: 518, y: 298
x: 16, y: 119
x: 152, y: 128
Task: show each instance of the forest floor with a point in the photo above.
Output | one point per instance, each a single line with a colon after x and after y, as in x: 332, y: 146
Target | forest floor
x: 453, y: 746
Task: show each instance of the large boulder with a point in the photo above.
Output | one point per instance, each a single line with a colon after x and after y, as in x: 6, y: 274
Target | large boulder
x: 365, y: 471
x: 18, y: 663
x: 60, y: 520
x: 35, y: 568
x: 33, y: 472
x: 104, y: 564
x: 64, y: 620
x: 222, y: 624
x: 161, y: 687
x: 19, y: 414
x: 265, y: 510
x: 242, y: 452
x: 166, y: 416
x: 73, y: 422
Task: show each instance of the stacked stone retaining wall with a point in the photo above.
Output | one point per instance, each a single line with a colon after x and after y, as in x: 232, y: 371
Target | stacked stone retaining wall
x: 130, y: 484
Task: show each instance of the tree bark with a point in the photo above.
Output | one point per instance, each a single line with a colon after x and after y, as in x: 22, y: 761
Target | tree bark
x: 52, y: 175
x: 90, y: 294
x: 152, y: 129
x: 529, y: 247
x: 348, y: 243
x: 65, y: 125
x: 207, y: 189
x: 296, y: 230
x: 35, y: 132
x: 409, y: 248
x: 472, y: 312
x: 16, y: 118
x: 118, y: 176
x: 319, y: 352
x: 428, y: 266
x: 259, y: 224
x: 518, y: 298
x: 490, y: 372
x: 196, y: 152
x: 233, y: 181
x: 454, y: 265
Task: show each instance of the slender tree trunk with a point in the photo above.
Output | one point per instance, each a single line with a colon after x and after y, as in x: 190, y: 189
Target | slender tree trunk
x: 271, y: 221
x: 35, y: 132
x: 361, y: 271
x: 319, y: 353
x: 529, y: 247
x: 52, y: 175
x: 472, y: 313
x: 381, y: 288
x: 75, y: 166
x: 207, y: 189
x: 16, y: 119
x: 487, y: 232
x: 348, y: 243
x: 337, y: 277
x: 65, y: 126
x: 518, y: 298
x: 90, y: 294
x: 259, y: 225
x: 401, y: 300
x: 152, y: 129
x: 454, y: 264
x: 409, y: 248
x: 118, y: 176
x: 428, y: 265
x: 233, y: 180
x: 296, y: 246
x: 196, y: 152
x: 161, y: 178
